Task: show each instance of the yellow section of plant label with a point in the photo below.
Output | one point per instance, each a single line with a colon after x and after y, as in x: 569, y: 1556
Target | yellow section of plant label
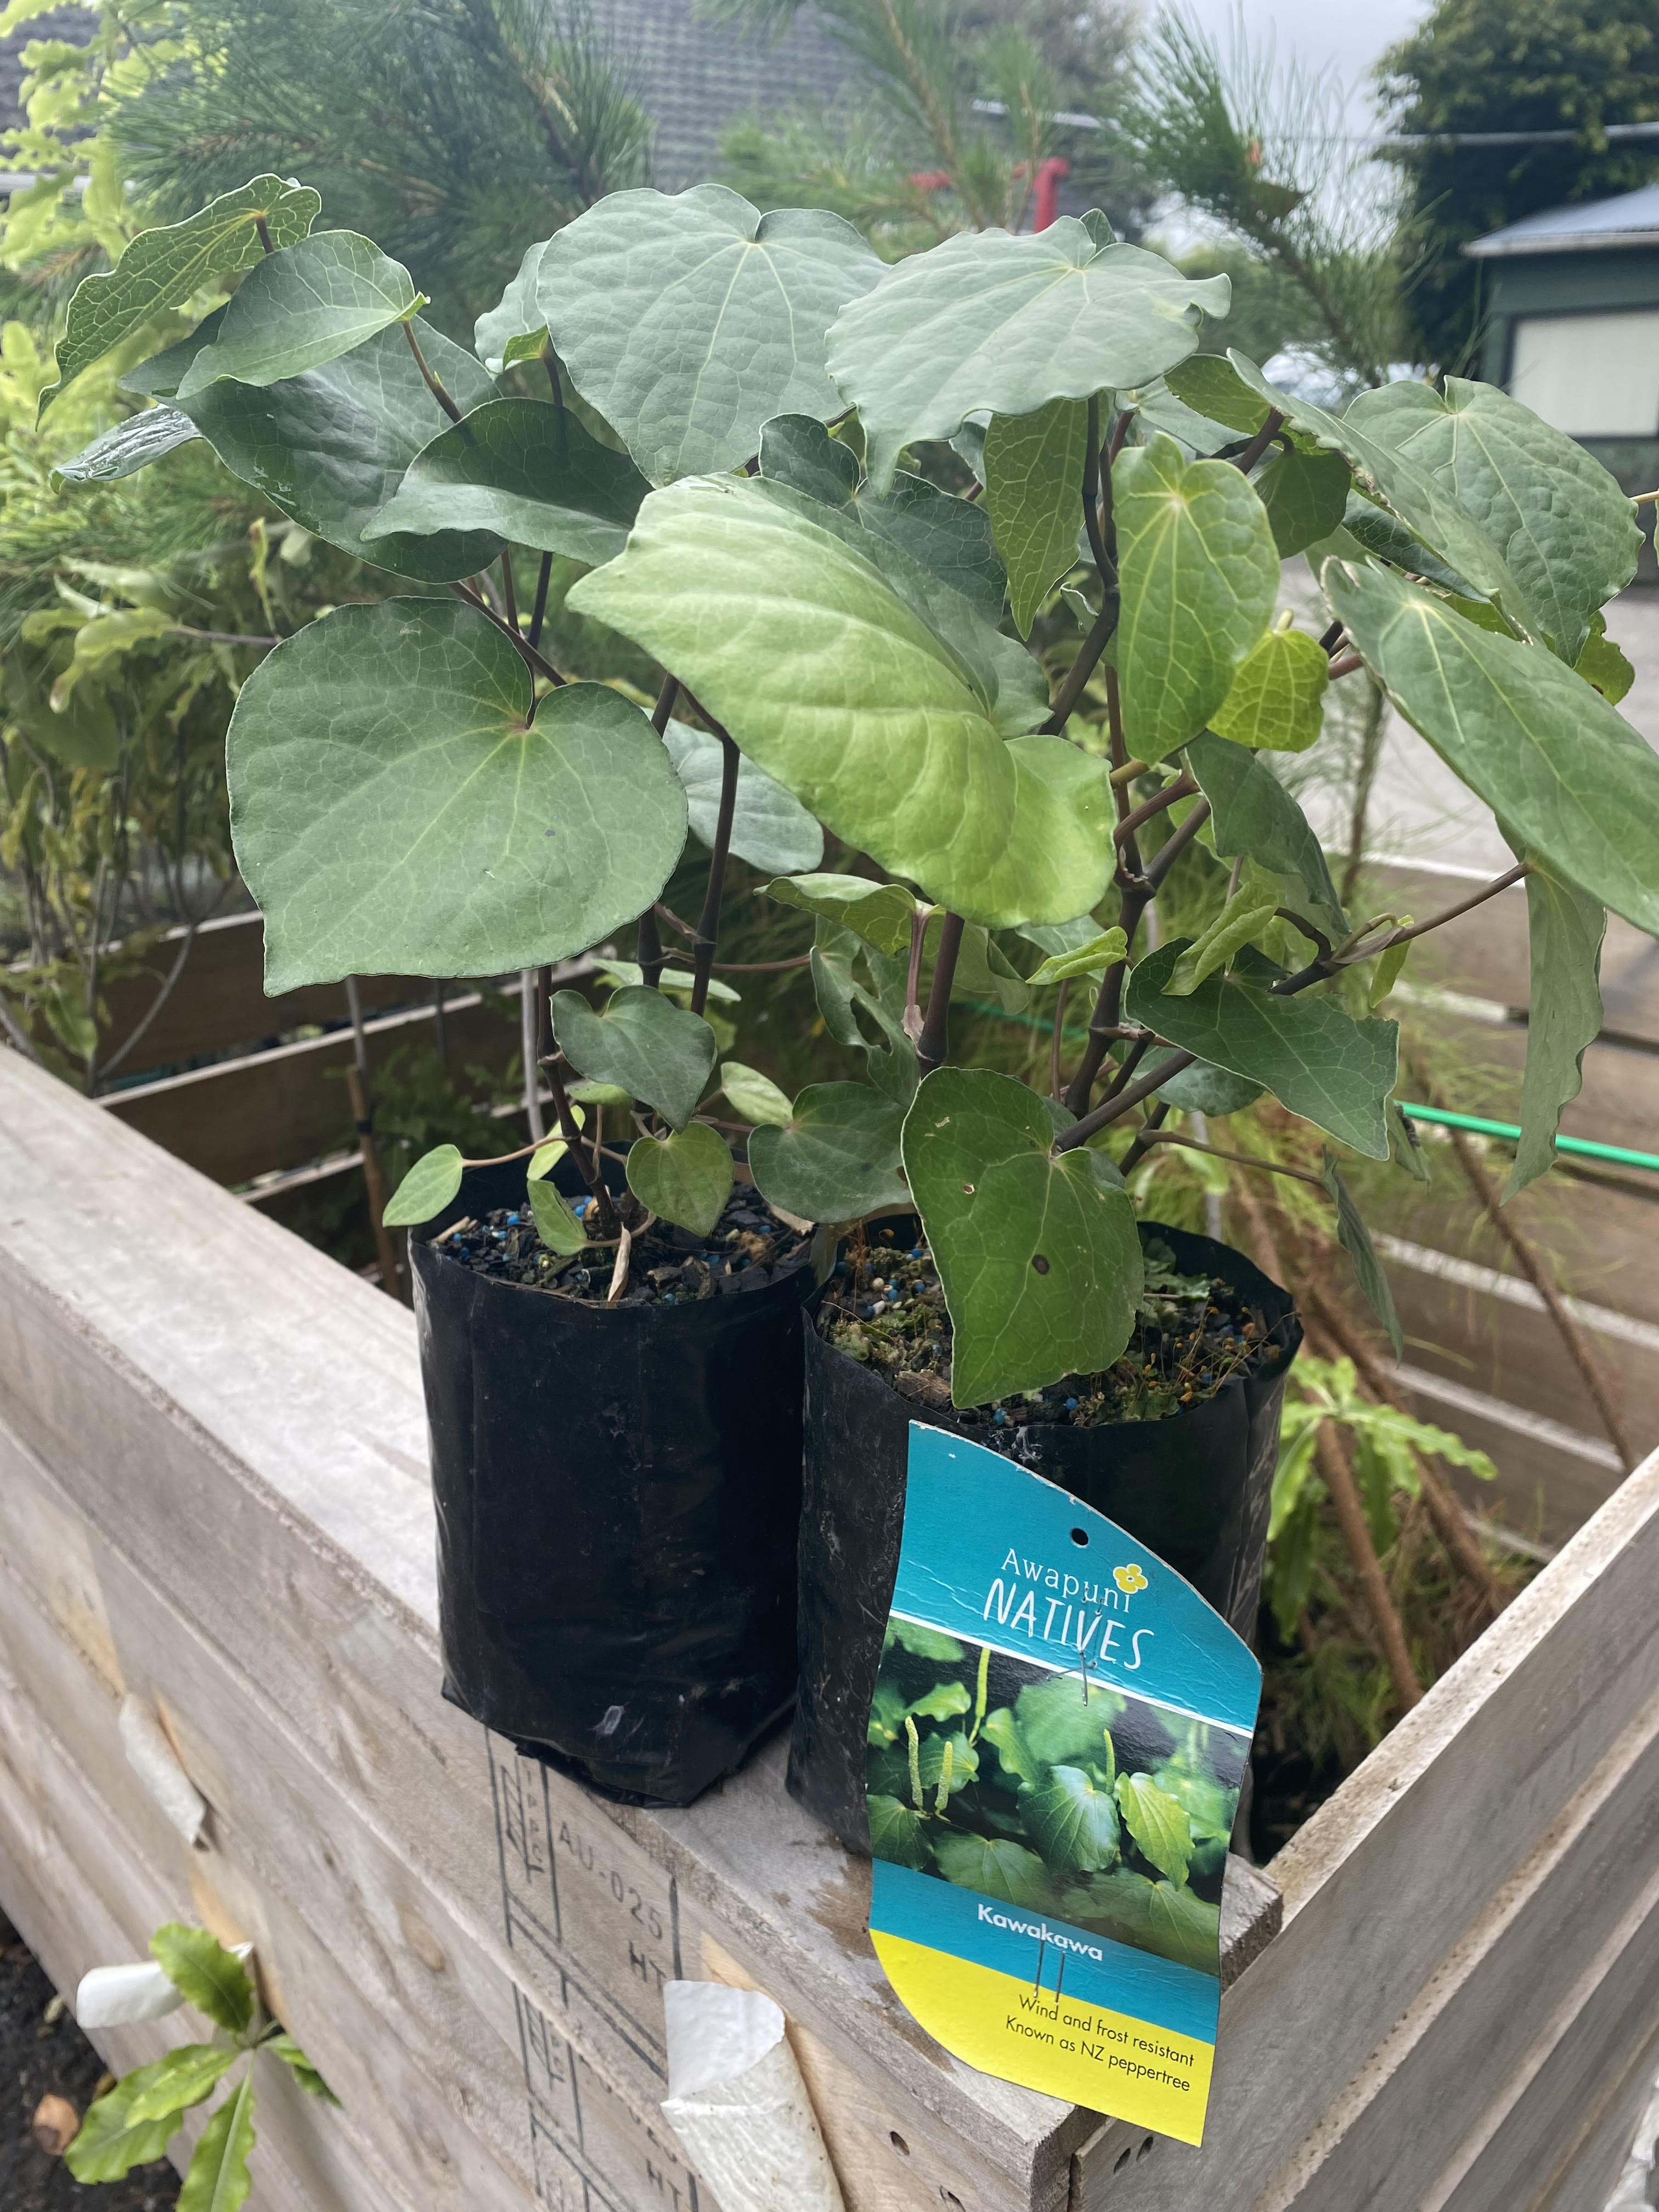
x: 1107, y: 2061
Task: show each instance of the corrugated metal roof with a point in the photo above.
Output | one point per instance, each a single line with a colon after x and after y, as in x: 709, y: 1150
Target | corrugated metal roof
x: 694, y: 77
x: 1588, y: 226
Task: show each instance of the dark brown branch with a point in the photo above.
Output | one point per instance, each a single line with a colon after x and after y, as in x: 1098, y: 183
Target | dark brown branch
x: 552, y: 368
x: 538, y: 613
x: 1239, y: 1159
x: 1113, y: 1110
x: 1176, y: 844
x: 1155, y: 1114
x: 935, y: 1041
x: 1438, y: 921
x: 668, y: 914
x: 536, y: 661
x: 570, y: 1130
x: 262, y: 229
x: 1171, y: 795
x: 647, y: 950
x: 1091, y: 493
x: 662, y: 712
x: 708, y: 925
x: 1056, y: 1036
x: 1246, y: 461
x: 428, y: 378
x: 1084, y: 666
x: 1345, y: 665
x: 509, y: 592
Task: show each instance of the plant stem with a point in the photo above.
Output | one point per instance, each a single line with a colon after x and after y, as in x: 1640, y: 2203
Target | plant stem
x: 1438, y: 921
x: 1264, y: 437
x: 1156, y: 1113
x: 1091, y: 492
x: 1113, y: 1110
x: 537, y: 661
x: 1171, y: 795
x: 1134, y: 894
x: 1345, y: 665
x: 538, y: 613
x: 1239, y: 1159
x: 1176, y: 844
x: 428, y: 378
x: 1370, y: 752
x: 647, y: 950
x: 530, y: 1048
x: 1333, y: 1466
x: 1083, y: 667
x: 604, y: 1211
x: 934, y: 1042
x: 509, y: 594
x: 708, y: 925
x: 1056, y: 1035
x: 552, y: 368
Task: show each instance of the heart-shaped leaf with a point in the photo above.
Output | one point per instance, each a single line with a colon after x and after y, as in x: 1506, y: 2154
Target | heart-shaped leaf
x: 1162, y: 1831
x: 835, y: 1158
x: 879, y: 913
x: 527, y: 470
x: 1204, y: 1089
x: 1319, y: 1061
x: 1565, y: 929
x: 898, y: 1834
x: 1199, y: 573
x: 642, y: 1042
x: 555, y: 1224
x: 1039, y: 1262
x: 396, y: 811
x: 755, y: 1096
x: 1567, y: 532
x: 426, y: 1188
x: 1277, y: 701
x: 990, y: 321
x: 1063, y: 1720
x: 330, y: 448
x: 1306, y: 496
x: 992, y: 1866
x: 1243, y: 920
x: 1184, y: 1927
x: 839, y: 689
x: 1563, y: 771
x: 690, y: 321
x: 515, y: 328
x: 770, y: 829
x: 1017, y: 1761
x: 302, y: 308
x: 685, y: 1178
x: 162, y: 268
x: 130, y: 445
x: 1255, y: 819
x: 1033, y: 494
x: 1072, y: 1823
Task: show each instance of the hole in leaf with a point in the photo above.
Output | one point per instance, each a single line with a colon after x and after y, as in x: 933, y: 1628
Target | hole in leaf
x: 898, y: 2143
x: 1080, y: 1536
x: 1040, y: 1263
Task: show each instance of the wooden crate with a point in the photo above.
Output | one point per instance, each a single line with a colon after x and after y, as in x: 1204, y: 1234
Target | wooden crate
x: 213, y: 1494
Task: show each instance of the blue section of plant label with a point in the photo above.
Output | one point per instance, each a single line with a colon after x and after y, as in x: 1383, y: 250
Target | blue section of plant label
x: 995, y: 1553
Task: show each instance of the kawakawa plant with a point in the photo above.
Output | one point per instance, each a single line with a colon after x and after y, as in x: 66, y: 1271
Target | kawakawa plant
x: 742, y: 431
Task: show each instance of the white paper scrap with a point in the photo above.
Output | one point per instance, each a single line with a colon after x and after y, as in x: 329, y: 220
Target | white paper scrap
x: 737, y: 2102
x: 111, y: 1996
x: 155, y: 1763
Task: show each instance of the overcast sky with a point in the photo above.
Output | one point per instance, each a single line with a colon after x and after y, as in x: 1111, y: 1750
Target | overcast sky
x: 1350, y: 33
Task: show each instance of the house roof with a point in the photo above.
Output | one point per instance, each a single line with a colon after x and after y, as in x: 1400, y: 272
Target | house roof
x: 72, y: 24
x: 1588, y: 227
x: 694, y: 77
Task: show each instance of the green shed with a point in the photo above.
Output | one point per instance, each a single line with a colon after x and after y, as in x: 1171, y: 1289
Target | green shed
x: 1572, y: 325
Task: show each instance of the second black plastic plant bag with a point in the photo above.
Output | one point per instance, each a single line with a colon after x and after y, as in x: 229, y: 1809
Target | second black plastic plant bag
x: 1195, y: 1488
x: 618, y: 1491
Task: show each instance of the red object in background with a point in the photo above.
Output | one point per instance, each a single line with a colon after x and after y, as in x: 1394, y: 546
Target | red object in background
x: 1047, y: 202
x: 1049, y: 175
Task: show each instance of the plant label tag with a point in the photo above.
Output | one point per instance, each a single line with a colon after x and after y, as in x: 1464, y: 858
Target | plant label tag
x: 1059, y: 1732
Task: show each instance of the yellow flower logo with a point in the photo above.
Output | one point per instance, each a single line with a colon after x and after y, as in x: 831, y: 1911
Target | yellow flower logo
x: 1129, y: 1580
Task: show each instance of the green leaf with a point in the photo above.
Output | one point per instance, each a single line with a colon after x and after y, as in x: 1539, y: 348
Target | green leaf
x: 839, y: 689
x: 771, y: 829
x: 1316, y: 1059
x: 922, y: 1641
x: 1184, y: 1927
x: 1563, y: 771
x: 836, y: 1158
x: 515, y: 328
x: 964, y: 1762
x: 690, y: 321
x: 525, y: 470
x: 180, y: 2079
x: 983, y: 970
x: 218, y: 2179
x: 1210, y: 386
x: 642, y: 1042
x: 1601, y: 662
x: 942, y: 1703
x: 1255, y: 818
x: 555, y: 1223
x: 134, y: 444
x: 1567, y: 532
x: 1386, y: 973
x: 1277, y: 697
x: 686, y: 1178
x: 879, y: 913
x: 1091, y: 958
x: 300, y: 308
x: 890, y: 1055
x: 991, y: 321
x: 1001, y: 1730
x: 1205, y: 1088
x: 1405, y: 1145
x: 994, y: 1867
x: 1033, y: 487
x: 1162, y: 1831
x: 755, y: 1096
x: 1243, y: 918
x: 162, y: 268
x: 1355, y: 1239
x: 205, y: 1974
x: 1565, y: 928
x: 674, y: 981
x: 1306, y: 496
x: 110, y: 2143
x: 284, y: 2047
x: 1427, y: 508
x: 396, y: 811
x: 1199, y: 573
x: 330, y: 448
x: 1072, y: 1823
x: 898, y: 1835
x: 1064, y: 1722
x: 886, y: 1715
x: 426, y: 1188
x: 1040, y: 1264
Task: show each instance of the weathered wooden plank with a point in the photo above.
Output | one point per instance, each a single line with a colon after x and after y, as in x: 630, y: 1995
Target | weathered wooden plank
x: 240, y: 1118
x: 1395, y: 1871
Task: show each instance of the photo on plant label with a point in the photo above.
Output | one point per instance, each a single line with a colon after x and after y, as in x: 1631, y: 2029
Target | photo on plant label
x: 1056, y: 1792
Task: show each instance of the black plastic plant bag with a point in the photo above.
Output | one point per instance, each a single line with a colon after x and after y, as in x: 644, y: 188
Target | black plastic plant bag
x: 618, y: 1492
x: 1195, y: 1488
